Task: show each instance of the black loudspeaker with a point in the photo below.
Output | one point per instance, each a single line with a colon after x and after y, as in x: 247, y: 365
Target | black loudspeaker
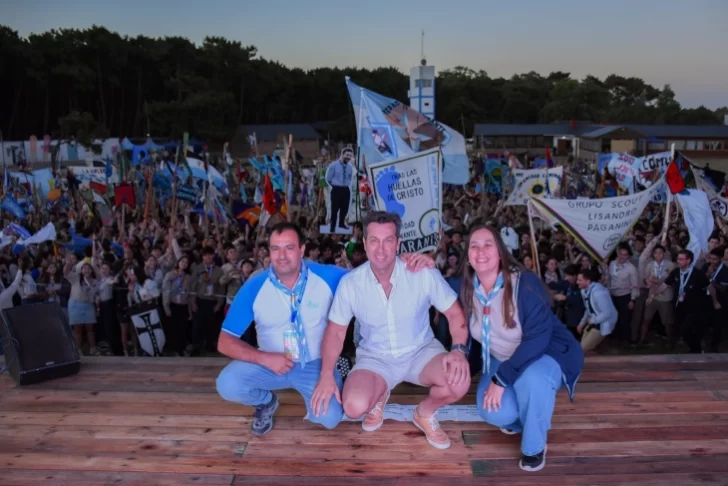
x: 38, y: 343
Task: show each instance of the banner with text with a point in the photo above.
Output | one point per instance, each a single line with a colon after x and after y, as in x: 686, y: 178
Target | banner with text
x: 411, y: 187
x: 624, y: 166
x: 528, y: 183
x: 597, y: 224
x: 717, y: 203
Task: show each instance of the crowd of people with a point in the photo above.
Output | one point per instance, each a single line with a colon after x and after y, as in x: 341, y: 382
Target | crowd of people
x: 488, y: 301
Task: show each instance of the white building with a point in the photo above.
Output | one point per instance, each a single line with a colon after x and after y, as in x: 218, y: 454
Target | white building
x: 422, y: 89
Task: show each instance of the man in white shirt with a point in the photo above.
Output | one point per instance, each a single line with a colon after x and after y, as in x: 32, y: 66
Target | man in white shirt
x: 625, y: 290
x: 289, y: 303
x: 397, y: 343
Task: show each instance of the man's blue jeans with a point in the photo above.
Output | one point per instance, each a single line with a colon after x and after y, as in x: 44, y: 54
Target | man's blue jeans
x: 251, y: 384
x: 527, y: 405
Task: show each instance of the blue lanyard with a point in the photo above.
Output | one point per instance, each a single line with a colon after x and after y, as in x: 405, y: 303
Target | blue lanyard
x: 684, y: 282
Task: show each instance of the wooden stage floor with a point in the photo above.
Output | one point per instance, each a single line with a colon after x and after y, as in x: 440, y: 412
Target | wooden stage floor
x: 637, y: 420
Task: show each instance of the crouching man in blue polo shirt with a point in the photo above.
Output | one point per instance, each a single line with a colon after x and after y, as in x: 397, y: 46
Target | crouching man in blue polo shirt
x: 289, y: 304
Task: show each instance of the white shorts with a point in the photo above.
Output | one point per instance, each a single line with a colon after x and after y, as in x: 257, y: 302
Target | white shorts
x: 396, y: 370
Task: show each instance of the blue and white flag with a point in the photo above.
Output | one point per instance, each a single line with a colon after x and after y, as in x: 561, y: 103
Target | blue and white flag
x: 19, y: 230
x: 269, y: 165
x: 493, y: 176
x: 390, y: 130
x: 197, y: 169
x: 10, y: 205
x: 47, y: 233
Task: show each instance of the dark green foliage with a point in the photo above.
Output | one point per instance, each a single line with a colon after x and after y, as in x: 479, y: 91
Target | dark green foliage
x: 132, y: 86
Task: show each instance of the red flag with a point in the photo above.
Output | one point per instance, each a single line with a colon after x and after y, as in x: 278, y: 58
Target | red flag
x: 674, y: 179
x: 98, y: 187
x: 269, y: 197
x: 549, y: 160
x: 124, y: 194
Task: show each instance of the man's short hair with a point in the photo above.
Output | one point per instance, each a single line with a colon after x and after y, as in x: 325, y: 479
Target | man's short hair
x: 571, y: 270
x: 279, y: 228
x: 624, y: 246
x: 689, y: 254
x: 590, y: 274
x: 382, y: 217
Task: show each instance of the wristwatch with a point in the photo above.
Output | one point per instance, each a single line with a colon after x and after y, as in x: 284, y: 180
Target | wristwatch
x: 460, y: 347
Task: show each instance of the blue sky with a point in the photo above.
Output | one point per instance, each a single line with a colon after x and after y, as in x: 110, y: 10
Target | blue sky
x: 681, y: 43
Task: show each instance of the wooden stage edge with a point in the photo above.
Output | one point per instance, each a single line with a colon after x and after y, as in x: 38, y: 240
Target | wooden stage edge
x: 637, y: 420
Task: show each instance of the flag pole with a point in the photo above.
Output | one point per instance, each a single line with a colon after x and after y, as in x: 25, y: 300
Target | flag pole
x: 357, y: 209
x: 287, y: 169
x: 668, y: 192
x: 534, y: 251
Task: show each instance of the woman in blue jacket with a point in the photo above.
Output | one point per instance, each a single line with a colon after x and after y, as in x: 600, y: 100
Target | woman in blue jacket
x: 527, y: 353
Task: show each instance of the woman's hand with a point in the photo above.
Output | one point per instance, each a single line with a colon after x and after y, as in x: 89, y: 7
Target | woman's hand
x: 493, y: 396
x: 417, y: 261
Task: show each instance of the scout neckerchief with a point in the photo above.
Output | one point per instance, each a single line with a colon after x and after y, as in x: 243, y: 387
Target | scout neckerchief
x: 486, y: 301
x: 295, y: 297
x: 717, y: 271
x: 208, y: 272
x: 179, y: 281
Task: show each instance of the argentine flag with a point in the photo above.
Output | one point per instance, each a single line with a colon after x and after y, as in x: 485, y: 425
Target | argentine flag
x: 388, y: 130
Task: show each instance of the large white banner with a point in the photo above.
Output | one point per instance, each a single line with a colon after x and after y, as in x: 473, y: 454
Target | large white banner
x: 597, y: 224
x: 529, y: 183
x: 411, y: 187
x: 717, y: 203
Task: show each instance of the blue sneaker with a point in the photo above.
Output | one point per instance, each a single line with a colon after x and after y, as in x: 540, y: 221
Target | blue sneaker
x: 263, y: 421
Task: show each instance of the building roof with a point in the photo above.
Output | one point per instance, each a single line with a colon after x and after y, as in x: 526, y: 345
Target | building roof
x: 596, y: 130
x: 533, y: 130
x: 675, y: 131
x: 273, y: 133
x: 616, y: 131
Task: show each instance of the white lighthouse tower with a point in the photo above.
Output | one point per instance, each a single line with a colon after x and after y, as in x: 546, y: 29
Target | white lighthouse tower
x: 422, y: 85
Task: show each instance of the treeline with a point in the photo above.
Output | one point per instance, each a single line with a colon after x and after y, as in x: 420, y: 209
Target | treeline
x: 132, y: 86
